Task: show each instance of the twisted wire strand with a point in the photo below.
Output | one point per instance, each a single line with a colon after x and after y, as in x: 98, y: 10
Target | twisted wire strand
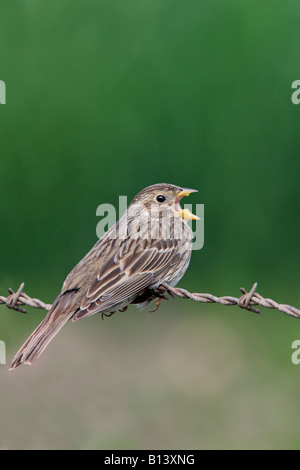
x: 16, y: 299
x: 248, y: 300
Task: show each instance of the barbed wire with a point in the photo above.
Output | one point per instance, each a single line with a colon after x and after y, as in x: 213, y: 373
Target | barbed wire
x: 247, y: 301
x: 15, y: 299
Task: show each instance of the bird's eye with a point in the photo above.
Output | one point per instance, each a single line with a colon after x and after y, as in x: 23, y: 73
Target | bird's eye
x: 160, y: 198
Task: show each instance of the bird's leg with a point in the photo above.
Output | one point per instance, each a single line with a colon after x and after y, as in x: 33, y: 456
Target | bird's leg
x: 160, y: 293
x: 165, y: 288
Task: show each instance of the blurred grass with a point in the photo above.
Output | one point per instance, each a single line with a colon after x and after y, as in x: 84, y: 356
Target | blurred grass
x: 103, y: 99
x: 181, y: 378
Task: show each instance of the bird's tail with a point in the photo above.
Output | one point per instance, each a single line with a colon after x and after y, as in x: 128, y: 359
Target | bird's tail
x: 37, y: 342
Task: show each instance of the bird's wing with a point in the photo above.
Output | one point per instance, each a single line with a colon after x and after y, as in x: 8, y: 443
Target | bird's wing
x: 135, y: 266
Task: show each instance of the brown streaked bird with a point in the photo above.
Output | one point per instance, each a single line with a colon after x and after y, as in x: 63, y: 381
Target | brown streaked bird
x: 150, y: 244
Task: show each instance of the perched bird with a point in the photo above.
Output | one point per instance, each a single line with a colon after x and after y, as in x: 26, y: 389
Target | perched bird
x: 150, y: 244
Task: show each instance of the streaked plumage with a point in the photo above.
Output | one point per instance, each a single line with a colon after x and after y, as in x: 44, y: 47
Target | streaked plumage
x: 149, y: 245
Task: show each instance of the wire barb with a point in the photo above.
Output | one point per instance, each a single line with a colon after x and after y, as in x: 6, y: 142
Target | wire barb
x: 16, y: 299
x: 247, y: 301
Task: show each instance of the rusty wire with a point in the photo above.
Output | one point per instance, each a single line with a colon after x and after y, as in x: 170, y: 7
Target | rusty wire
x: 15, y: 299
x: 248, y: 300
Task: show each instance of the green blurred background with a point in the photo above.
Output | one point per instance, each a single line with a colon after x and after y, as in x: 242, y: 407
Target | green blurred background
x: 103, y: 99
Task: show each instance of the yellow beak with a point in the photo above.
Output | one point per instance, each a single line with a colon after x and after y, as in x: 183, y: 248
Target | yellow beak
x: 187, y: 192
x: 185, y: 213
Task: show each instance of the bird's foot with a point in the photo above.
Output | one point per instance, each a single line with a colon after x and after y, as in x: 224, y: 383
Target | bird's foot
x: 123, y: 309
x: 109, y: 314
x: 159, y: 292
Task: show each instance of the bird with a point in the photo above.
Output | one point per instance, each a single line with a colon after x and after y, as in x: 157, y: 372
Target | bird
x: 149, y: 245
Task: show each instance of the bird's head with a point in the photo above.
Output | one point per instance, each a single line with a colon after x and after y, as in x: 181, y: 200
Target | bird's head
x: 165, y: 198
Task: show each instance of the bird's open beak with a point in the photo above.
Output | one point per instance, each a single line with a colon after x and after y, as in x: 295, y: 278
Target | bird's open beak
x: 185, y: 213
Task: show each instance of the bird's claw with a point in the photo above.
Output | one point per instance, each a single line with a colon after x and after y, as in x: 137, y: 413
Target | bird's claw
x: 123, y: 309
x: 157, y: 304
x: 109, y: 314
x: 160, y: 293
